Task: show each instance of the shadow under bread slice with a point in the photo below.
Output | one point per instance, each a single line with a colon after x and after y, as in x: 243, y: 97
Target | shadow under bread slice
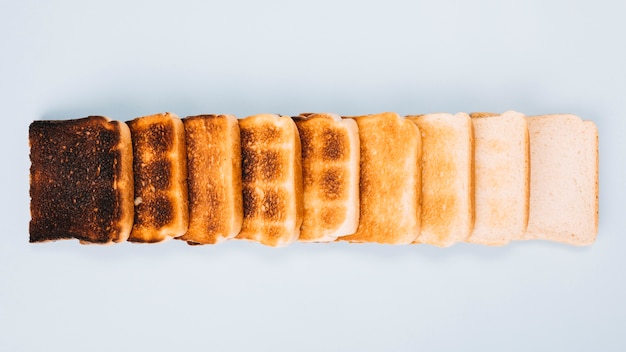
x: 81, y: 180
x: 160, y: 175
x: 214, y: 178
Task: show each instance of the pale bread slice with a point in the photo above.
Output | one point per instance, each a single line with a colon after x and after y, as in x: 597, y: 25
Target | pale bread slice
x: 389, y: 186
x: 447, y: 213
x: 501, y: 177
x: 160, y: 178
x: 271, y: 180
x: 214, y: 178
x: 563, y: 179
x: 330, y: 172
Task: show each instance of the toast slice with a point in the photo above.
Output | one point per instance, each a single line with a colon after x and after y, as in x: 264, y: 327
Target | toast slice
x: 160, y: 171
x: 81, y: 180
x: 389, y: 186
x: 330, y: 172
x: 271, y: 180
x: 563, y: 179
x: 214, y: 178
x: 447, y: 181
x: 501, y: 177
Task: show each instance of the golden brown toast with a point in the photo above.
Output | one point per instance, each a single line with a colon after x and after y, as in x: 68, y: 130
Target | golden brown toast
x: 271, y: 180
x: 330, y: 172
x: 390, y: 148
x: 81, y: 180
x: 447, y: 185
x: 160, y: 171
x: 214, y: 178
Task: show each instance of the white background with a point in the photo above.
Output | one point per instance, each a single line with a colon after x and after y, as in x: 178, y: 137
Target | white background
x: 70, y: 59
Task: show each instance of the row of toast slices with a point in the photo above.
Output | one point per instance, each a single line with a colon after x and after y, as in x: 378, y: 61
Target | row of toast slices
x: 436, y: 179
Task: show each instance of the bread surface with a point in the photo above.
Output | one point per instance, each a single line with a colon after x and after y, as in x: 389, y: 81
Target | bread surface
x: 330, y: 171
x: 160, y: 178
x: 80, y: 180
x: 563, y: 179
x: 447, y: 178
x: 389, y: 183
x: 214, y: 178
x: 271, y: 180
x: 501, y: 177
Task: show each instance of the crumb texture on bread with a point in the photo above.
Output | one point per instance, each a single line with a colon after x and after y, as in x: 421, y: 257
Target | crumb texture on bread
x: 447, y: 195
x: 271, y: 180
x: 160, y: 183
x: 80, y: 180
x: 501, y: 167
x: 330, y: 170
x: 214, y: 178
x: 389, y: 180
x: 563, y: 179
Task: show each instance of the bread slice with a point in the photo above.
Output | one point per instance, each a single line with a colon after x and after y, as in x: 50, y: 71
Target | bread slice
x: 389, y: 180
x: 160, y: 170
x: 271, y: 180
x: 501, y: 177
x: 563, y: 179
x: 81, y: 180
x: 447, y: 181
x: 214, y: 178
x: 330, y: 171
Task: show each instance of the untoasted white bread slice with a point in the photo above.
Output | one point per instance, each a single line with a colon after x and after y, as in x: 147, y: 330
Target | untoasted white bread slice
x: 389, y: 187
x: 160, y: 171
x: 214, y: 180
x: 271, y: 180
x: 330, y: 172
x: 501, y: 177
x: 447, y: 185
x: 563, y: 179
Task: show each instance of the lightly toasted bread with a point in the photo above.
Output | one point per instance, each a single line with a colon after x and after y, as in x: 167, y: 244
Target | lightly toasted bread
x: 330, y: 172
x: 271, y: 180
x: 447, y: 186
x: 81, y: 180
x: 501, y: 177
x: 389, y: 185
x: 214, y: 178
x: 563, y: 179
x: 160, y: 171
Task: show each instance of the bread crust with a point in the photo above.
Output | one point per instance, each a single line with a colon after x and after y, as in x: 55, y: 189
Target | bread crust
x: 80, y: 180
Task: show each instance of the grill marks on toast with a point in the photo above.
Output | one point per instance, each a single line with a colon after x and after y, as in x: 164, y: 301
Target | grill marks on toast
x: 81, y: 176
x: 271, y: 180
x: 214, y: 168
x: 330, y: 169
x: 160, y: 169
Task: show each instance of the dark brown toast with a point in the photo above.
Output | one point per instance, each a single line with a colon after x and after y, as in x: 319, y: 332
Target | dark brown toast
x: 160, y: 174
x: 214, y: 178
x: 80, y: 180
